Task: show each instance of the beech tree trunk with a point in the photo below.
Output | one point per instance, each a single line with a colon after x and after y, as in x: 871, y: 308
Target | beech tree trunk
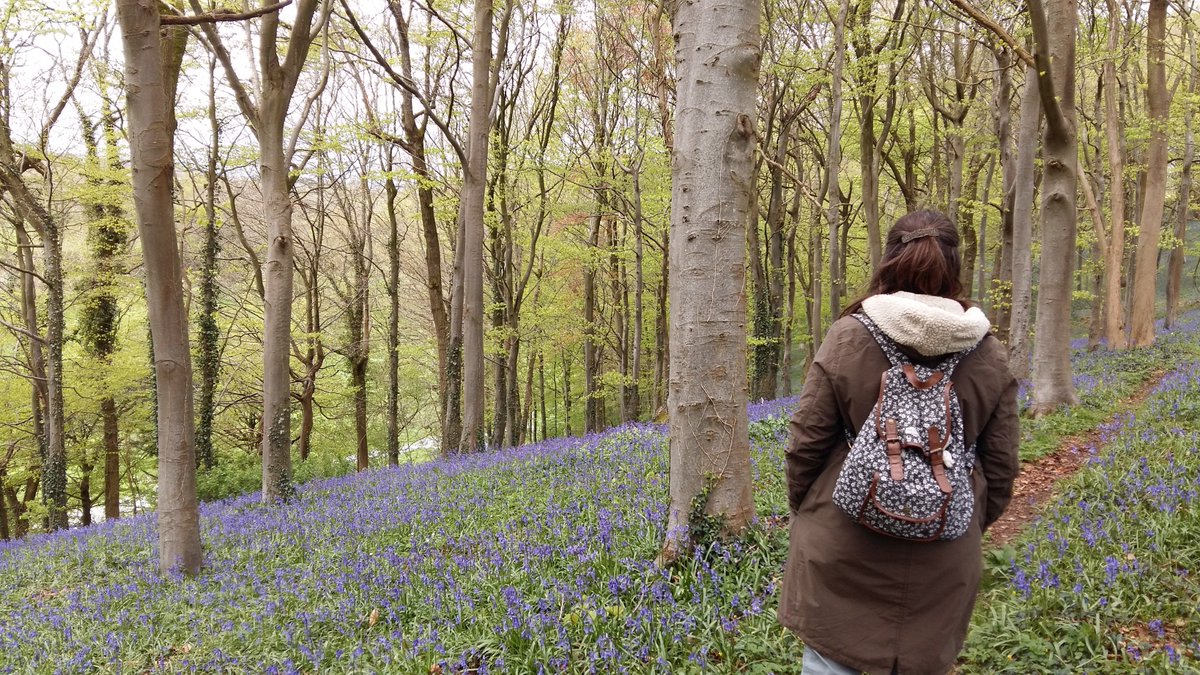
x: 1022, y: 233
x: 152, y: 165
x: 1000, y: 292
x: 474, y: 184
x: 717, y: 47
x: 1158, y: 103
x: 415, y: 145
x: 1114, y: 311
x: 393, y: 342
x: 1054, y: 33
x: 833, y: 160
x: 276, y: 81
x: 591, y: 360
x: 1184, y: 209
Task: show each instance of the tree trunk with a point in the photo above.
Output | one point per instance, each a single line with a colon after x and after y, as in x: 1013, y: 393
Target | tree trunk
x: 566, y: 364
x: 112, y: 460
x: 313, y: 356
x: 305, y: 397
x: 1114, y: 314
x: 152, y: 167
x: 54, y: 480
x: 833, y: 161
x: 1055, y: 36
x: 107, y: 239
x: 639, y: 288
x: 1022, y: 237
x: 393, y: 343
x: 37, y: 363
x: 452, y: 398
x: 985, y: 203
x: 1158, y: 103
x: 591, y: 361
x: 662, y: 328
x: 278, y: 277
x: 718, y: 54
x: 415, y: 144
x: 5, y: 531
x: 358, y: 318
x: 53, y: 447
x: 209, y: 352
x: 1000, y: 291
x: 1184, y: 208
x: 868, y: 150
x: 542, y: 392
x: 474, y: 184
x: 966, y: 222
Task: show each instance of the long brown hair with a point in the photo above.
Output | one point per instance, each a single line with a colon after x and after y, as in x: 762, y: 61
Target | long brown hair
x: 927, y: 264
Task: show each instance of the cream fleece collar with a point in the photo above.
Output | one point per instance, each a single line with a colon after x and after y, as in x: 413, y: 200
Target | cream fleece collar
x: 930, y: 324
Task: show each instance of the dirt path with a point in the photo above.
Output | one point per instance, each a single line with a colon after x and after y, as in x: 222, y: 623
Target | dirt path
x: 1036, y: 482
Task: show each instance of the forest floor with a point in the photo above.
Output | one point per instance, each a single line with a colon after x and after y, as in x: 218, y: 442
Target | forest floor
x: 1036, y: 483
x: 541, y: 559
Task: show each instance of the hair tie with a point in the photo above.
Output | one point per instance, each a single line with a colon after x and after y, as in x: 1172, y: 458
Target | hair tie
x: 918, y: 234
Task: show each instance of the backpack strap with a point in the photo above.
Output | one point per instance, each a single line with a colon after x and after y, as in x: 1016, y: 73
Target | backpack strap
x: 896, y: 356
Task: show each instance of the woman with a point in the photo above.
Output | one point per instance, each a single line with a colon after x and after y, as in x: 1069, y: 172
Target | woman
x: 863, y: 601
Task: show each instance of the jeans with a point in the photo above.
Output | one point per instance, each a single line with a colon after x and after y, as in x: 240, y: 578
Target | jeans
x: 815, y: 664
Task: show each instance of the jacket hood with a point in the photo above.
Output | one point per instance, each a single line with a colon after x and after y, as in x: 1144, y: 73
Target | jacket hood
x: 930, y: 324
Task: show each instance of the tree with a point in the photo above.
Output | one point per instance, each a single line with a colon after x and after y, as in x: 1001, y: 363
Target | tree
x: 1114, y: 315
x: 1158, y: 103
x: 1183, y: 210
x: 107, y: 238
x: 718, y: 53
x: 1054, y: 35
x: 148, y: 108
x: 209, y: 352
x: 1024, y: 184
x: 483, y: 86
x: 32, y: 211
x: 268, y: 118
x: 832, y: 190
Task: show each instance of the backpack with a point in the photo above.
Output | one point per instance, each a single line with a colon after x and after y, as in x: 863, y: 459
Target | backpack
x: 908, y: 474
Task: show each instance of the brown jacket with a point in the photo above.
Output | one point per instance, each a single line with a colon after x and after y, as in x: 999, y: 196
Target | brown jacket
x: 864, y: 599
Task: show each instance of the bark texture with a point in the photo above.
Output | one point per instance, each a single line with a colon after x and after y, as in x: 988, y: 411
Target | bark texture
x: 718, y: 54
x: 1022, y: 230
x: 474, y: 186
x: 1150, y: 224
x: 1054, y: 31
x: 152, y: 168
x: 1114, y: 313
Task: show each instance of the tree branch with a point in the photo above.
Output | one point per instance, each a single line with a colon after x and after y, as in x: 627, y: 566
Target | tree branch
x: 405, y: 84
x: 986, y: 21
x: 1056, y: 122
x: 21, y: 331
x: 220, y: 15
x: 245, y: 104
x: 31, y: 273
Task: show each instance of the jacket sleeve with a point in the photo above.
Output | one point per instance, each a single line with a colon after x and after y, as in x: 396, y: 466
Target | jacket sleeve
x: 998, y: 451
x: 815, y: 428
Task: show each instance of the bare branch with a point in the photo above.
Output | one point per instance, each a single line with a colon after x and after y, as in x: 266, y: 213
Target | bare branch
x: 220, y: 15
x: 405, y: 84
x: 85, y: 53
x: 240, y: 94
x: 31, y: 273
x: 987, y: 22
x: 21, y: 331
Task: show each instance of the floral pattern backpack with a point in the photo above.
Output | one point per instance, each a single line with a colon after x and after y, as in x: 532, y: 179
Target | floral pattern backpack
x: 908, y: 474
